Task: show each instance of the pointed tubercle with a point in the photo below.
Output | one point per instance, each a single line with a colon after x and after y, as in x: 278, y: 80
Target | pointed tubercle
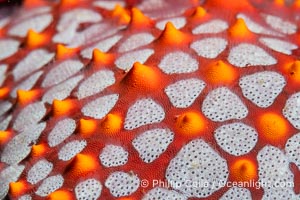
x: 121, y: 15
x: 63, y: 107
x: 239, y: 30
x: 138, y: 19
x: 100, y: 57
x: 172, y: 36
x: 26, y: 96
x: 63, y: 52
x: 35, y: 39
x: 111, y: 124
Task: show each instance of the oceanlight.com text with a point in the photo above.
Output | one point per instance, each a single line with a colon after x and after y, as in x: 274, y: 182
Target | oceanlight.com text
x: 215, y: 184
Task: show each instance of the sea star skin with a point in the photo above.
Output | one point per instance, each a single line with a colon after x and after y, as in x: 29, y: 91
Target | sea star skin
x: 104, y: 99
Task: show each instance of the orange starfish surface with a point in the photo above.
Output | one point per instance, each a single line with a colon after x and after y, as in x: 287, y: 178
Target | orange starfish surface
x: 150, y: 99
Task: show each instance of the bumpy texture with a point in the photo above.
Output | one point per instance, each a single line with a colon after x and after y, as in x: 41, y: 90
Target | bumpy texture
x: 153, y: 99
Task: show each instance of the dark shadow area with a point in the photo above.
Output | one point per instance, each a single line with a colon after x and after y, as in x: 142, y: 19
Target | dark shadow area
x: 8, y: 6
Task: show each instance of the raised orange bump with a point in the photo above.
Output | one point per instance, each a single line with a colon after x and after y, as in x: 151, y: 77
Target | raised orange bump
x: 243, y: 170
x: 220, y: 72
x: 34, y: 39
x: 293, y: 71
x: 62, y: 107
x: 172, y: 36
x: 272, y: 127
x: 60, y: 194
x: 63, y: 52
x: 121, y: 14
x: 142, y: 77
x: 17, y: 188
x: 83, y: 164
x: 4, y: 92
x: 296, y: 3
x: 5, y: 136
x: 199, y: 13
x: 38, y: 150
x: 87, y: 127
x: 100, y: 57
x: 239, y: 30
x: 111, y: 124
x: 139, y: 20
x: 190, y: 123
x: 24, y: 97
x: 279, y: 2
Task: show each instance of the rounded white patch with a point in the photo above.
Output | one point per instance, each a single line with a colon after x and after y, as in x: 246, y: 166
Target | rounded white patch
x: 161, y: 9
x: 39, y: 171
x: 273, y: 169
x: 113, y: 155
x: 50, y: 185
x: 183, y: 93
x: 88, y: 189
x: 221, y: 105
x: 108, y: 4
x: 197, y: 163
x: 62, y: 90
x: 292, y: 149
x: 71, y: 149
x: 209, y: 47
x: 103, y: 45
x: 262, y: 88
x: 8, y: 175
x: 30, y: 115
x: 178, y: 23
x: 237, y: 193
x: 236, y: 138
x: 5, y: 122
x: 142, y: 112
x: 25, y: 197
x: 127, y: 60
x: 244, y: 55
x: 37, y: 23
x: 3, y: 69
x: 255, y: 27
x: 278, y: 45
x: 61, y: 131
x: 77, y: 16
x: 135, y: 41
x: 27, y: 84
x: 69, y: 22
x: 100, y: 107
x: 27, y: 13
x: 162, y: 193
x: 122, y: 184
x: 178, y: 62
x: 281, y: 25
x: 35, y: 60
x: 280, y: 193
x: 291, y: 110
x: 152, y: 143
x: 19, y: 147
x: 4, y: 107
x: 62, y: 72
x: 8, y: 47
x: 214, y: 26
x: 98, y: 32
x: 4, y: 21
x: 96, y: 83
